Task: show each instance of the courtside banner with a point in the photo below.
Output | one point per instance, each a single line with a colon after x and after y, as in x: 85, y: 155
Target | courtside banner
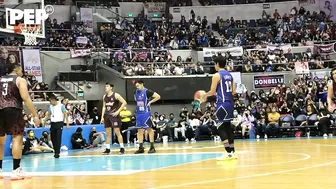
x: 174, y: 87
x: 209, y: 52
x: 268, y: 81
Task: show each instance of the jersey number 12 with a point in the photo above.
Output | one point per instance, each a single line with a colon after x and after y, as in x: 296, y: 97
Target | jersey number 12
x: 228, y: 86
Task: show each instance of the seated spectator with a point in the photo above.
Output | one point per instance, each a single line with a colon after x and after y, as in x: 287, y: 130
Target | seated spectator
x: 323, y: 122
x: 247, y: 121
x: 161, y: 127
x: 194, y: 123
x: 77, y: 140
x: 171, y: 125
x: 180, y: 128
x: 45, y: 140
x: 206, y: 126
x: 262, y: 119
x: 32, y: 145
x: 237, y: 119
x: 96, y: 139
x: 273, y: 120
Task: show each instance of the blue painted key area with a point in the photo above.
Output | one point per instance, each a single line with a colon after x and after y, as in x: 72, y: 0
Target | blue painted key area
x: 66, y: 135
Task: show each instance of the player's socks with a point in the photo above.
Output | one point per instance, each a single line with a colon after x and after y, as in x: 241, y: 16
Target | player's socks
x: 152, y: 145
x: 227, y: 147
x: 1, y: 176
x: 141, y: 145
x: 16, y: 163
x: 121, y: 145
x: 107, y: 146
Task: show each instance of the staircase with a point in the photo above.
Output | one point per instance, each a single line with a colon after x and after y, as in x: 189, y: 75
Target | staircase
x: 73, y: 89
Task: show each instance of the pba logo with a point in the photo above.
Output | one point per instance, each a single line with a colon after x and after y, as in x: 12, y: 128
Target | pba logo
x: 29, y: 16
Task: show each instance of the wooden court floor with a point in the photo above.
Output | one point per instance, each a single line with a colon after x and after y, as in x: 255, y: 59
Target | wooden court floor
x: 272, y: 164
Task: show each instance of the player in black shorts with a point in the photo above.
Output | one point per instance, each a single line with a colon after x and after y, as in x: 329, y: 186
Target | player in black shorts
x: 13, y: 92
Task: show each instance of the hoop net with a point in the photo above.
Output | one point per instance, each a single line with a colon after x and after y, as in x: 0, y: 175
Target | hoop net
x: 30, y: 32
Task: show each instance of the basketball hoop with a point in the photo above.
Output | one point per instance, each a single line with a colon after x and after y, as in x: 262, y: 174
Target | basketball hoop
x: 29, y: 32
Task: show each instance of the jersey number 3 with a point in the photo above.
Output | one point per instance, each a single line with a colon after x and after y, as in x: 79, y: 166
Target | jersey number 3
x: 228, y: 86
x: 5, y: 89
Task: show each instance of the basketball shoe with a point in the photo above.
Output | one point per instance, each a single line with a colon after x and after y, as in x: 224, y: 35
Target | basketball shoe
x: 18, y: 174
x: 227, y: 156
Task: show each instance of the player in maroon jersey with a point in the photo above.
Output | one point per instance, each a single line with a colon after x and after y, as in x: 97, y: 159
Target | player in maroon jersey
x: 113, y: 103
x: 14, y: 91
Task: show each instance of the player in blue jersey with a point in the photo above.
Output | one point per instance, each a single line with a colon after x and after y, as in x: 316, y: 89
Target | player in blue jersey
x: 144, y: 98
x: 223, y: 86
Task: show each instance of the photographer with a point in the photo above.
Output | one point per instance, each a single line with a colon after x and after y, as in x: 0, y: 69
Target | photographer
x: 247, y: 121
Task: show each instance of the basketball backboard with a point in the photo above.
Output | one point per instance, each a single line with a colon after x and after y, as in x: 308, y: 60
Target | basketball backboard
x: 7, y: 5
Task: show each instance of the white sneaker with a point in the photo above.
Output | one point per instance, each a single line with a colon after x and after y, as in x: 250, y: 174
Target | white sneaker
x: 193, y: 140
x: 186, y: 140
x: 227, y: 156
x: 1, y: 175
x: 18, y: 174
x: 265, y: 137
x: 325, y: 135
x: 258, y: 136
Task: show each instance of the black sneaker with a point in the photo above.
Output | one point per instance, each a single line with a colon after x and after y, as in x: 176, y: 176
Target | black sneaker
x: 140, y: 151
x: 151, y: 150
x: 122, y: 151
x: 56, y: 156
x: 107, y: 151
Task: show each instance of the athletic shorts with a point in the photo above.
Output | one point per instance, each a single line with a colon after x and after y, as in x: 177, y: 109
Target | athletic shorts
x: 224, y: 111
x: 11, y: 122
x: 143, y: 120
x: 112, y: 122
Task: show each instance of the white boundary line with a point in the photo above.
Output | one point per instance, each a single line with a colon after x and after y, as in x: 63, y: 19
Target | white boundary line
x: 78, y: 173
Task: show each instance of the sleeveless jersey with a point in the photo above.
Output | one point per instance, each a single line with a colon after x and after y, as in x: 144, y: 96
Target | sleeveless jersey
x: 141, y: 101
x: 10, y: 94
x: 224, y: 87
x: 111, y: 104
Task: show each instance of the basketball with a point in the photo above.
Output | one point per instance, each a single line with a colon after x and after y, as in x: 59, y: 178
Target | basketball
x: 198, y: 95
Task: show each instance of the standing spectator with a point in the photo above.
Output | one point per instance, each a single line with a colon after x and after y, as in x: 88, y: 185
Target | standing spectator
x: 96, y: 117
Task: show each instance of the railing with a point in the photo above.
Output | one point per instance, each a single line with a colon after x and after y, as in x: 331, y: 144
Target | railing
x: 74, y: 89
x: 42, y: 95
x: 161, y: 68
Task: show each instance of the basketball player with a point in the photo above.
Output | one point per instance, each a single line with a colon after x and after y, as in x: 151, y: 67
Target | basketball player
x: 144, y: 98
x: 113, y: 103
x: 331, y: 98
x: 14, y: 91
x: 223, y: 86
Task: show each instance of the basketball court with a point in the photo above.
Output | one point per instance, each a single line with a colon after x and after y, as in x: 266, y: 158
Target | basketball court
x: 276, y: 164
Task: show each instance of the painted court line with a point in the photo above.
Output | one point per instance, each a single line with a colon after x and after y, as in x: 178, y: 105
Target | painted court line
x: 306, y: 157
x: 176, y: 165
x: 78, y: 173
x: 244, y: 177
x: 145, y: 154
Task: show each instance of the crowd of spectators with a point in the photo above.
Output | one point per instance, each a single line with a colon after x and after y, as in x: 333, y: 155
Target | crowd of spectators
x: 256, y: 115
